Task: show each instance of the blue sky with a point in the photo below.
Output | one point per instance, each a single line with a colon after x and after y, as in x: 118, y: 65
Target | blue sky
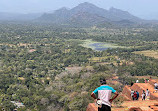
x: 141, y: 8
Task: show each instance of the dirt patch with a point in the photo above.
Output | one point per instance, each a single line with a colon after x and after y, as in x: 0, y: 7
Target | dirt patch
x: 73, y: 70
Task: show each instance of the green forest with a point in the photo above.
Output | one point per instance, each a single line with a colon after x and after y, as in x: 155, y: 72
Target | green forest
x: 46, y: 68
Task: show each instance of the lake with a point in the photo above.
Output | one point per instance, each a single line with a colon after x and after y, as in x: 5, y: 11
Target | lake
x: 99, y: 46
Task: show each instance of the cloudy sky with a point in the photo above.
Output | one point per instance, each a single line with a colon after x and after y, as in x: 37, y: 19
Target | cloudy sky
x: 142, y: 8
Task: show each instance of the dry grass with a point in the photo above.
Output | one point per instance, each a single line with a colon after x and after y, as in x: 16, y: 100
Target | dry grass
x: 21, y: 78
x: 100, y: 59
x: 149, y: 53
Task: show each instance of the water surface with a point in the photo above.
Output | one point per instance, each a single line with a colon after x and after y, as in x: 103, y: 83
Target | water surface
x: 99, y: 46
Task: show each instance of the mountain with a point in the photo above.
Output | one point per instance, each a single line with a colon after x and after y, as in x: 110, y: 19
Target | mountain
x: 88, y: 14
x: 59, y: 16
x: 119, y: 15
x: 86, y: 19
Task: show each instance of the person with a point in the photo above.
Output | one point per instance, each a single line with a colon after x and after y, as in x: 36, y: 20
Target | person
x: 147, y: 93
x: 156, y: 87
x: 104, y: 94
x: 137, y: 81
x: 132, y: 94
x: 132, y: 83
x: 150, y: 78
x: 137, y: 95
x: 143, y: 95
x: 145, y: 81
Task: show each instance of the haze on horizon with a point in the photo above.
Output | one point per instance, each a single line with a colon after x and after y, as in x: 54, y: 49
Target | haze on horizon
x: 146, y: 9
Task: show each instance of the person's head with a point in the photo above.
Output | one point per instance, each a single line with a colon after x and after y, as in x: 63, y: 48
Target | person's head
x: 146, y: 89
x: 150, y: 78
x: 102, y: 81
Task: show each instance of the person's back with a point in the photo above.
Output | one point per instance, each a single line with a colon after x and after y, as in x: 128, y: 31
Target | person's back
x: 137, y: 95
x: 104, y: 94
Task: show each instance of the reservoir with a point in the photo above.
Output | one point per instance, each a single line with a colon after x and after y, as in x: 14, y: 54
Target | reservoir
x: 99, y: 46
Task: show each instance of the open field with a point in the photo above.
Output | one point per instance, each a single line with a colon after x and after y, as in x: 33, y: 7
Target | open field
x: 149, y: 53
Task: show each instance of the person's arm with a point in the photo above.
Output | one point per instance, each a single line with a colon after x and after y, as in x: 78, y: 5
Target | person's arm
x: 114, y: 97
x: 93, y: 95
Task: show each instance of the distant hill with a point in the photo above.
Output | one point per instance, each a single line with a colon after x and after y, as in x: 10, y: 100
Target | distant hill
x: 18, y: 16
x: 88, y: 14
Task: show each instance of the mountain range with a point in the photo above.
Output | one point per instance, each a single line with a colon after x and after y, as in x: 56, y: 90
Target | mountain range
x: 84, y: 14
x: 89, y: 14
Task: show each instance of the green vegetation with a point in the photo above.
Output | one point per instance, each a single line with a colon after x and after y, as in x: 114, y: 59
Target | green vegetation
x: 46, y: 67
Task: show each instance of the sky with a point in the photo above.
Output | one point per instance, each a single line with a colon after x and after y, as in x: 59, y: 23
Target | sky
x: 147, y: 9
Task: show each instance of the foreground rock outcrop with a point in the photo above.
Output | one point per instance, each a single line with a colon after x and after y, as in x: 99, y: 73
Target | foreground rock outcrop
x: 151, y: 104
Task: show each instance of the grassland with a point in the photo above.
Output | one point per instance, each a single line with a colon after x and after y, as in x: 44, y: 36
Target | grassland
x: 149, y: 53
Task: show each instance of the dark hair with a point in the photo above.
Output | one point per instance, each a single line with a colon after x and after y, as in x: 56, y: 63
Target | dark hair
x: 102, y: 81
